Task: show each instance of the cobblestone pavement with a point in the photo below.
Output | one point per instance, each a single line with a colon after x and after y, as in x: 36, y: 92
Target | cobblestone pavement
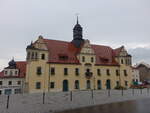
x: 59, y: 101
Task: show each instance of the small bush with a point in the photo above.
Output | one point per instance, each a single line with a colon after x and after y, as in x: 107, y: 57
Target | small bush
x: 120, y: 88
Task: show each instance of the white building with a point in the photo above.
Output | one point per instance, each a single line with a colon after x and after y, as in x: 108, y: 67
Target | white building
x: 135, y: 75
x: 12, y: 78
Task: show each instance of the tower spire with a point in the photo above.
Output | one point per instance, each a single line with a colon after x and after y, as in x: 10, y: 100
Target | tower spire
x: 77, y: 34
x: 77, y: 20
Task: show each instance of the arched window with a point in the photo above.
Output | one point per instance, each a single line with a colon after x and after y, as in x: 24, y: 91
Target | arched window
x: 77, y: 86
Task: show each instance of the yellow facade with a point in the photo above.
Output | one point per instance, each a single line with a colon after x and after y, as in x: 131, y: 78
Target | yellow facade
x: 45, y: 78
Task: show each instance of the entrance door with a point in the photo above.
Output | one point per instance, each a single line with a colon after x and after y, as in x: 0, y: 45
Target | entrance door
x: 108, y: 84
x: 99, y: 84
x: 65, y: 85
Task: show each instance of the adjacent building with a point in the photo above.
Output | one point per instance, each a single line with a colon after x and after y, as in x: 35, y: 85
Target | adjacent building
x: 135, y: 75
x: 55, y: 65
x: 12, y: 78
x: 144, y: 70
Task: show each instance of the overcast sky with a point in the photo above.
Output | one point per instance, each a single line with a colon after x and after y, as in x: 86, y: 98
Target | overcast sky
x: 108, y: 22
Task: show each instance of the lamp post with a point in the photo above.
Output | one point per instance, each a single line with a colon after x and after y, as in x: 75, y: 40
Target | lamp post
x: 94, y: 83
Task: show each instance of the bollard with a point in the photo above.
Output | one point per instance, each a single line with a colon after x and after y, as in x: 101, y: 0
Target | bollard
x: 148, y: 90
x: 122, y: 91
x: 70, y: 95
x: 43, y: 97
x: 133, y: 91
x: 7, y: 102
x: 92, y: 92
x: 108, y: 92
x: 141, y: 90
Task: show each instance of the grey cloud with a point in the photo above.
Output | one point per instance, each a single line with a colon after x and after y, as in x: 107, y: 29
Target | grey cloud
x: 140, y: 55
x: 114, y: 21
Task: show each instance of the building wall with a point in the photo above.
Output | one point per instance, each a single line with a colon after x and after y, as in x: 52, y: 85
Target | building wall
x: 45, y: 78
x: 59, y: 76
x: 144, y: 72
x: 136, y: 75
x: 5, y: 84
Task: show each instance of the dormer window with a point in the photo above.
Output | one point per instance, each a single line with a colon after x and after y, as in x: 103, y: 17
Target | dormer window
x: 63, y: 57
x: 103, y: 59
x: 16, y: 72
x: 11, y: 73
x: 6, y: 72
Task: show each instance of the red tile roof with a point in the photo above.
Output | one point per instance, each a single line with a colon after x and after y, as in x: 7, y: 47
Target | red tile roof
x: 104, y: 54
x: 21, y: 65
x: 57, y: 48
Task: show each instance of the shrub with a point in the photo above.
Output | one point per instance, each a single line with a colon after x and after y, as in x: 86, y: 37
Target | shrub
x: 120, y: 88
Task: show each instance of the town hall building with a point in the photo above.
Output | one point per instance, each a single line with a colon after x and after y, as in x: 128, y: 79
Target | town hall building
x: 55, y: 65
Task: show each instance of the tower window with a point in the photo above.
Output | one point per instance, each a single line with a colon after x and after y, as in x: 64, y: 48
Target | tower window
x: 36, y: 55
x: 83, y: 59
x: 32, y: 57
x: 92, y: 59
x: 43, y: 56
x: 28, y: 55
x: 121, y: 61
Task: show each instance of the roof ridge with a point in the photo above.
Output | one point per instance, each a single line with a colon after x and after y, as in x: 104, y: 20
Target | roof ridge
x: 56, y: 40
